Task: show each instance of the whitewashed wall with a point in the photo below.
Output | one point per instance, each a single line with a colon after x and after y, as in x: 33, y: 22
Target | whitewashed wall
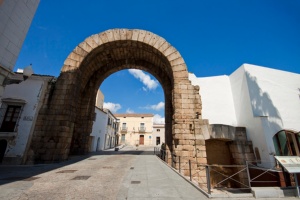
x: 99, y: 130
x: 275, y: 101
x: 244, y: 113
x: 32, y: 91
x: 216, y: 96
x: 263, y: 100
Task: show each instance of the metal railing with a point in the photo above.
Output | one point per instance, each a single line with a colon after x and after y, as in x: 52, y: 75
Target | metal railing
x: 142, y: 129
x: 223, y: 177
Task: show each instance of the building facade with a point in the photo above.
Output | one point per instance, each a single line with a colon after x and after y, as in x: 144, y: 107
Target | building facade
x: 16, y: 17
x: 18, y: 112
x: 97, y: 137
x: 264, y: 102
x: 158, y: 135
x: 112, y: 125
x: 139, y: 129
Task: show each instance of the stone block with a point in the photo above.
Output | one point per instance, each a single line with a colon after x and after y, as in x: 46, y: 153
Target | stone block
x: 164, y: 46
x: 173, y: 56
x: 141, y: 35
x: 178, y: 61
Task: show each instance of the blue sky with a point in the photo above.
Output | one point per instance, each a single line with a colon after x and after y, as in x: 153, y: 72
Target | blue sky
x: 213, y: 36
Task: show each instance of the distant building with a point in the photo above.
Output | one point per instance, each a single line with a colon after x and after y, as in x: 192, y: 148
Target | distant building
x: 111, y: 135
x: 138, y: 129
x: 16, y: 17
x: 261, y: 102
x: 20, y: 105
x: 99, y: 125
x: 105, y: 128
x: 158, y: 135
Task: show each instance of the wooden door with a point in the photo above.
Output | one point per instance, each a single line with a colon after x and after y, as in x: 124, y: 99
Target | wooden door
x: 141, y: 139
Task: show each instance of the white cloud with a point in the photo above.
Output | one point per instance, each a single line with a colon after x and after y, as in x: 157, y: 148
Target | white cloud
x: 157, y: 107
x: 158, y: 119
x: 113, y: 107
x: 129, y: 111
x: 144, y: 78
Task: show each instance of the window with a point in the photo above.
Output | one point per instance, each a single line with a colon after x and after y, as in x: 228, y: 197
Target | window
x: 10, y: 119
x: 158, y: 130
x: 123, y: 138
x: 286, y: 143
x: 142, y: 127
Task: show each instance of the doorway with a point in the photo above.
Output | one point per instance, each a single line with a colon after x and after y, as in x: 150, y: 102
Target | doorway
x: 157, y: 140
x: 3, y: 146
x: 98, y: 144
x: 141, y: 139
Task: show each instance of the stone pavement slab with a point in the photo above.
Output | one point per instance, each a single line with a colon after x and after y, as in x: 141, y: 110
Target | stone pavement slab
x: 127, y: 174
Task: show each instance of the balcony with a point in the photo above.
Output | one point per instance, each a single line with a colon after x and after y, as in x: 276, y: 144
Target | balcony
x: 123, y: 129
x: 142, y: 129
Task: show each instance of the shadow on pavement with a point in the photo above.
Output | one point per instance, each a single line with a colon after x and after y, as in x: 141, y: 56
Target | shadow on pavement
x: 12, y: 173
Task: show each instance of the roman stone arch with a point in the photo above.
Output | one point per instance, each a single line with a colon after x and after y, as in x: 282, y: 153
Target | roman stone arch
x: 65, y: 120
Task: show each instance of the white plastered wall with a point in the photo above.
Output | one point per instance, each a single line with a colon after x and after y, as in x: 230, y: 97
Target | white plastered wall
x: 99, y: 130
x: 274, y: 98
x: 31, y: 91
x: 216, y: 97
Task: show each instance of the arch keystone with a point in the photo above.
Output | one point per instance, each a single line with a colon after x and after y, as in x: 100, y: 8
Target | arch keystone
x: 129, y: 34
x: 123, y: 33
x: 103, y: 37
x: 116, y: 33
x: 135, y: 34
x: 142, y: 35
x: 110, y: 35
x: 148, y: 37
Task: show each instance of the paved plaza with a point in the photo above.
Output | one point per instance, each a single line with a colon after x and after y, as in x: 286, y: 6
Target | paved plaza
x: 125, y: 174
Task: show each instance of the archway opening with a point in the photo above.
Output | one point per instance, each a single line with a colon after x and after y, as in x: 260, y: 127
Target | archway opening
x: 137, y: 103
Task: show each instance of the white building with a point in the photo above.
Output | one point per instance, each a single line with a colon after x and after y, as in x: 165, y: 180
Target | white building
x: 15, y: 20
x: 158, y: 135
x: 19, y: 109
x: 99, y: 130
x: 265, y: 101
x: 111, y: 136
